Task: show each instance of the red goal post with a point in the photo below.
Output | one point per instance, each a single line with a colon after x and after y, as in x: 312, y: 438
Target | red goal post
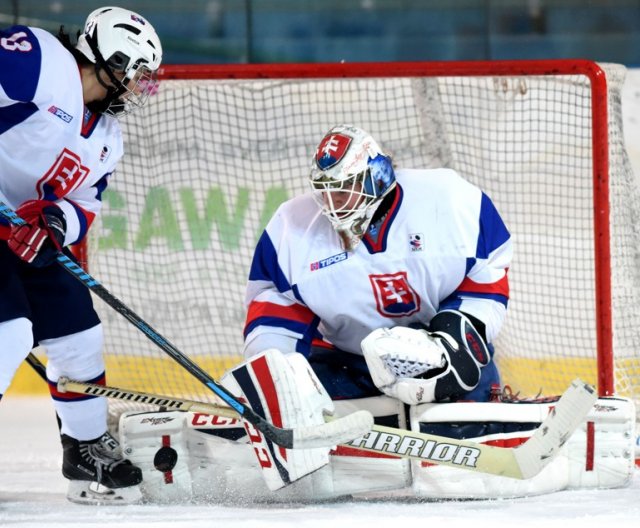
x: 219, y: 147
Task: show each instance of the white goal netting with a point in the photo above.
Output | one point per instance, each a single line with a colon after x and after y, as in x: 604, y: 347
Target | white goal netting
x: 208, y: 161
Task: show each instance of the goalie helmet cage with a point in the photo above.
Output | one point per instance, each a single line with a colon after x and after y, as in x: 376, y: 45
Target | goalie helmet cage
x: 220, y: 147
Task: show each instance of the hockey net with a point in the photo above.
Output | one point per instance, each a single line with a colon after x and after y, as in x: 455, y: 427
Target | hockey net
x: 220, y: 147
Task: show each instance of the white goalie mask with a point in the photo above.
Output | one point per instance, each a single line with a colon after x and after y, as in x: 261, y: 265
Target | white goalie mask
x: 125, y: 46
x: 350, y: 175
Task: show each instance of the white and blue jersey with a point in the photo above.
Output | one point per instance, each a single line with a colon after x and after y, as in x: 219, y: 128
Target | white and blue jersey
x: 51, y: 147
x: 442, y: 245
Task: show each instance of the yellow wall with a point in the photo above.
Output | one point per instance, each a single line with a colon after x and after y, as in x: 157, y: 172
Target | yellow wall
x: 27, y: 382
x: 162, y: 374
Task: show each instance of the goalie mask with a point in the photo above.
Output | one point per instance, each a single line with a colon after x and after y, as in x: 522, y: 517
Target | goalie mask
x: 124, y: 46
x: 350, y: 175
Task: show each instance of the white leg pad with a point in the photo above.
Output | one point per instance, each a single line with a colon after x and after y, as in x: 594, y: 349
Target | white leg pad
x: 601, y: 451
x: 156, y: 442
x: 285, y: 390
x: 357, y: 472
x: 216, y: 463
x: 596, y: 455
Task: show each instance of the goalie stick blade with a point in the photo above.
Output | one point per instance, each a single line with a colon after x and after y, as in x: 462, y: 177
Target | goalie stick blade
x: 565, y: 417
x: 335, y: 431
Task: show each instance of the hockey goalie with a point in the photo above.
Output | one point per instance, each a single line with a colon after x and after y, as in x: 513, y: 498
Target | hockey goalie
x: 382, y: 289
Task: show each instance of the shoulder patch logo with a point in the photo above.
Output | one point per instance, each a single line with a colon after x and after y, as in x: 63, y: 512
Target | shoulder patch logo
x: 104, y: 153
x: 394, y: 295
x: 416, y: 241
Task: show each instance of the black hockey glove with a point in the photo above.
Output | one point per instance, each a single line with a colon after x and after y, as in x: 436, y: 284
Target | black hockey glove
x: 466, y: 353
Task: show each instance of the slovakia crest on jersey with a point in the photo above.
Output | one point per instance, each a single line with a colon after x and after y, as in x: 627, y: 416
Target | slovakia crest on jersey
x: 331, y: 150
x: 394, y: 295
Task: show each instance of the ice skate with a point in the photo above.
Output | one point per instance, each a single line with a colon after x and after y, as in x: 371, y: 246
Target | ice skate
x: 98, y: 473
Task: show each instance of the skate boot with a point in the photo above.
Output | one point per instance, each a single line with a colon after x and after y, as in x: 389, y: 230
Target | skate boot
x: 97, y: 472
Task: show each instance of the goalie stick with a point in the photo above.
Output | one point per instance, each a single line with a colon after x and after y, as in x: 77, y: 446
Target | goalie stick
x: 303, y: 437
x: 522, y: 462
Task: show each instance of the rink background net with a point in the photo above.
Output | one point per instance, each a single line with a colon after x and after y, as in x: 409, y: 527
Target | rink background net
x: 208, y: 161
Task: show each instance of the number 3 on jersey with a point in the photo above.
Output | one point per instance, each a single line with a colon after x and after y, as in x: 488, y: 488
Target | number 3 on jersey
x: 14, y: 42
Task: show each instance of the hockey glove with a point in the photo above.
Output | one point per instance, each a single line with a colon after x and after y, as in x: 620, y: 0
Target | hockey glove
x: 416, y: 366
x: 39, y: 240
x: 466, y: 354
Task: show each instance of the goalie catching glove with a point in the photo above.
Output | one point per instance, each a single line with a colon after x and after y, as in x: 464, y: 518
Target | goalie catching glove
x: 40, y: 239
x: 416, y: 366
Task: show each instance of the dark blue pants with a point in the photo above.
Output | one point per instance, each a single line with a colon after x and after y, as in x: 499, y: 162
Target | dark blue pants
x: 55, y: 302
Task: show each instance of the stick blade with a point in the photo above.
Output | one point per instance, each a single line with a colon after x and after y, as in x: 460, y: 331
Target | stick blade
x: 334, y: 432
x: 565, y: 417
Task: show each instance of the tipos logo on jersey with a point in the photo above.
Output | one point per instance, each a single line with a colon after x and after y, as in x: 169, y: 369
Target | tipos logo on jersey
x: 416, y: 241
x: 331, y: 150
x: 394, y: 295
x: 59, y: 112
x: 65, y: 175
x: 328, y: 261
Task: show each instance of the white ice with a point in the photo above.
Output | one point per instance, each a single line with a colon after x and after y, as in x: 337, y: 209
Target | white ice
x: 32, y: 494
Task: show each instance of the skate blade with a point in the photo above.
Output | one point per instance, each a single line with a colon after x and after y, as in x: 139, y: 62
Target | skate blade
x: 85, y: 492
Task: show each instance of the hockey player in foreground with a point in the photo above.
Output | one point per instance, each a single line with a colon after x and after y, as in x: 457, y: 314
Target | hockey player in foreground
x: 59, y: 143
x: 381, y: 289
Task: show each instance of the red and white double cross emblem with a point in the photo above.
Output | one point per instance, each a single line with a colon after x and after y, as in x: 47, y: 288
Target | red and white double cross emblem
x: 394, y: 295
x: 66, y: 174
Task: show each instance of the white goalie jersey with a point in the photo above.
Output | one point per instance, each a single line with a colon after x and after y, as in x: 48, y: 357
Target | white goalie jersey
x: 442, y: 245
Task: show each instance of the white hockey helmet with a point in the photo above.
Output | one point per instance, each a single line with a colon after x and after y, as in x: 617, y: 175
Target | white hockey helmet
x: 350, y: 175
x: 117, y: 40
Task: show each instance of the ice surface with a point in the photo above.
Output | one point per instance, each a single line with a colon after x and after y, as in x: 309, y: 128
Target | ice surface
x: 32, y: 494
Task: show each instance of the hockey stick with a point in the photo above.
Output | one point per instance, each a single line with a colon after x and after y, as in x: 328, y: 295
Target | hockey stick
x: 37, y: 365
x: 521, y: 462
x: 303, y: 437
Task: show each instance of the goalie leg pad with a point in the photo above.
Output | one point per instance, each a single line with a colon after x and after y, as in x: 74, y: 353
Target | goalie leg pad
x: 598, y: 455
x: 156, y: 442
x: 358, y: 472
x: 285, y: 391
x: 350, y: 471
x: 216, y: 463
x: 601, y: 451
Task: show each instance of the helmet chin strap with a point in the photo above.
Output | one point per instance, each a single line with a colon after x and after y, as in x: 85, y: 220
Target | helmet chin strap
x: 114, y: 90
x: 108, y: 101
